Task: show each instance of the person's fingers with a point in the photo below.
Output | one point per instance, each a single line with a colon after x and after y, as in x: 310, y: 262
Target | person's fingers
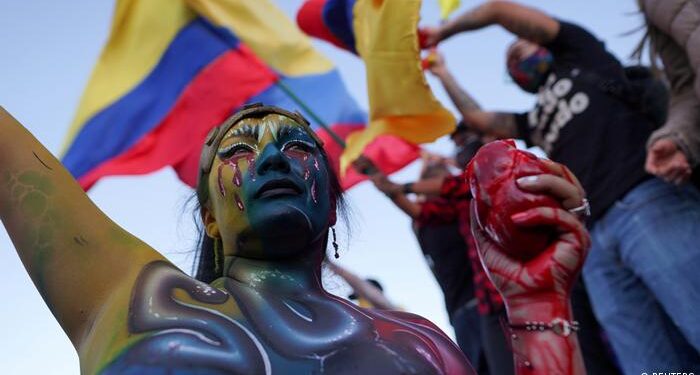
x: 663, y: 147
x: 677, y: 174
x: 563, y: 221
x: 565, y: 172
x: 570, y: 195
x: 680, y: 179
x: 650, y: 163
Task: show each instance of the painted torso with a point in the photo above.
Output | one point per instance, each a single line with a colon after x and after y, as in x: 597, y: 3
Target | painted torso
x: 185, y: 327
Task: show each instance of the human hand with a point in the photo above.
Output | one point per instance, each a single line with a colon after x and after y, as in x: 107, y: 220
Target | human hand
x: 538, y: 288
x: 436, y: 63
x: 667, y: 161
x: 365, y: 166
x: 429, y: 37
x: 383, y: 184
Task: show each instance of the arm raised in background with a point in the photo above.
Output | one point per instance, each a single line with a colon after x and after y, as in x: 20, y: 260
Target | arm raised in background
x: 76, y: 256
x: 525, y: 22
x: 495, y: 124
x: 393, y: 191
x: 363, y: 288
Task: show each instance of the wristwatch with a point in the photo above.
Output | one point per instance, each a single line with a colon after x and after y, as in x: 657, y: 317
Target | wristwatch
x: 407, y: 188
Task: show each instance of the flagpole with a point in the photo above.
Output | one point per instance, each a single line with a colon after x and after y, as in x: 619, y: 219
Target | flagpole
x: 311, y: 113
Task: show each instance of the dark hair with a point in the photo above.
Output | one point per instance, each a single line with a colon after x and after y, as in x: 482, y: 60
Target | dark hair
x: 208, y: 264
x: 434, y: 169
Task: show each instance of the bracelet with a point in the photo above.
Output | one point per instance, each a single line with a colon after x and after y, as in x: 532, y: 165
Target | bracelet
x: 561, y: 327
x: 407, y: 188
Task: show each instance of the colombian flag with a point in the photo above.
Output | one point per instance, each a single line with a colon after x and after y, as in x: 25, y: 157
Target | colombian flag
x: 173, y: 69
x: 384, y: 33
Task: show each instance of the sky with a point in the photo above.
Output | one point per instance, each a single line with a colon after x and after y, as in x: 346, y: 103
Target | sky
x: 47, y: 51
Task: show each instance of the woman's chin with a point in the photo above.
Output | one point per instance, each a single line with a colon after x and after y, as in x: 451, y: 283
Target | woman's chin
x: 286, y: 232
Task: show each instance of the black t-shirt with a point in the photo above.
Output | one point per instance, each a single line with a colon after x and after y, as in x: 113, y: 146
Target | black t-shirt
x: 600, y: 138
x: 446, y: 254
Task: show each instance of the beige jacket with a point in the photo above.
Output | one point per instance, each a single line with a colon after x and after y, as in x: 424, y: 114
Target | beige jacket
x: 674, y: 28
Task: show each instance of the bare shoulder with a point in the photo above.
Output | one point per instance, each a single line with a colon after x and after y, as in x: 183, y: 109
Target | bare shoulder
x: 166, y: 319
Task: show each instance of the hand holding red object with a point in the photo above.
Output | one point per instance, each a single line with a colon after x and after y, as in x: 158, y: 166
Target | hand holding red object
x: 506, y: 187
x: 493, y: 175
x: 536, y: 287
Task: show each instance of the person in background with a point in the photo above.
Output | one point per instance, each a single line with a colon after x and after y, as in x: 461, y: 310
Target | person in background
x: 367, y: 292
x: 643, y: 228
x: 674, y: 149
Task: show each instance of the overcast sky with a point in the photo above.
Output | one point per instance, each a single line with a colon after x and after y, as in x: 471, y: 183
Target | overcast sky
x: 47, y: 50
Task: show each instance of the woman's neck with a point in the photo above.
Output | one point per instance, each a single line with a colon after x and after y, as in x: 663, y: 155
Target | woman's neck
x: 286, y: 276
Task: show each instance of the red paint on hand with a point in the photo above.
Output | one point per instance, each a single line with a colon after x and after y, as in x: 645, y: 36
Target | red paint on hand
x: 492, y: 176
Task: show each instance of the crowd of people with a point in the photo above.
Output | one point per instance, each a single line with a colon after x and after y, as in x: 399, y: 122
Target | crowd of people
x: 621, y: 144
x: 633, y: 145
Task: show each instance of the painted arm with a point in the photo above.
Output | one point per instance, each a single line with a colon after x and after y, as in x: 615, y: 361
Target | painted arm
x: 75, y: 255
x: 495, y: 124
x: 525, y: 22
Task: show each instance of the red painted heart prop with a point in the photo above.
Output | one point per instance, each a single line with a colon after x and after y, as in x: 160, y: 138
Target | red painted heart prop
x: 492, y: 176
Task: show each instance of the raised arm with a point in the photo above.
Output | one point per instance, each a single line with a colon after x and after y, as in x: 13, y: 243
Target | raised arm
x: 525, y: 22
x: 496, y: 124
x: 534, y: 279
x: 75, y: 255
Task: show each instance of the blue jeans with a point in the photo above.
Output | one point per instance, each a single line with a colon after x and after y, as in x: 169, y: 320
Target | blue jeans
x: 643, y: 277
x: 465, y: 321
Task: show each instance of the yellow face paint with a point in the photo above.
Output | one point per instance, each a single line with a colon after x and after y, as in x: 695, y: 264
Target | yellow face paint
x: 268, y: 175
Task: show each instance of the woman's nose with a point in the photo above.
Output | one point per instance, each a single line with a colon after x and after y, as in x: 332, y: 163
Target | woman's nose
x: 272, y: 159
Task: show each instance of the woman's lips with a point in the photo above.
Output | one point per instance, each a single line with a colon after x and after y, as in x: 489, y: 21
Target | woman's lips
x: 279, y: 187
x: 277, y: 192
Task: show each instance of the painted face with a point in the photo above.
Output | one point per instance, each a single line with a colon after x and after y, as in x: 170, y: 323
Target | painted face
x: 528, y: 65
x: 269, y: 189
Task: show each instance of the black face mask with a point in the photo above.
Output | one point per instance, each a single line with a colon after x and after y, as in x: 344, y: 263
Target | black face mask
x: 466, y: 152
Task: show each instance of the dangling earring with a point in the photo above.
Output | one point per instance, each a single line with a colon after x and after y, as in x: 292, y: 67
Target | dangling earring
x: 335, y: 243
x: 218, y: 255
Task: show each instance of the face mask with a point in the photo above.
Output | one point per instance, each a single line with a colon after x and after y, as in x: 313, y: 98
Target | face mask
x: 531, y: 72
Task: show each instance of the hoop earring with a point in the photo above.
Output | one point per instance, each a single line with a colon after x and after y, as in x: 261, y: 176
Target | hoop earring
x: 335, y: 243
x: 218, y: 257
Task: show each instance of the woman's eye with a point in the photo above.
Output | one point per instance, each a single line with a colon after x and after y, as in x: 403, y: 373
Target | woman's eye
x: 235, y: 150
x: 299, y: 146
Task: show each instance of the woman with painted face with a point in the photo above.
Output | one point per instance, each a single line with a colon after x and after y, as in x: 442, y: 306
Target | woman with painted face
x: 268, y: 202
x: 590, y: 117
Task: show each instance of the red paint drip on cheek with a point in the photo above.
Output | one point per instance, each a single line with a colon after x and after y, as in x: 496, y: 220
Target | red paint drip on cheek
x: 313, y: 191
x: 237, y: 178
x: 251, y: 168
x: 239, y: 202
x: 220, y: 181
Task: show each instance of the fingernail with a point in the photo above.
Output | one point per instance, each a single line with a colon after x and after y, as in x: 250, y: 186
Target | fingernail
x: 528, y: 180
x: 520, y: 217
